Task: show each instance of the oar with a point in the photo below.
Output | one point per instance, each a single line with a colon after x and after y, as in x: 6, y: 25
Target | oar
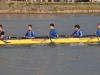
x: 5, y: 42
x: 51, y: 43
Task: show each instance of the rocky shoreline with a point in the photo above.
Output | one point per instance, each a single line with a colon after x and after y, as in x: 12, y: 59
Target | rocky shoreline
x: 65, y: 8
x: 49, y: 12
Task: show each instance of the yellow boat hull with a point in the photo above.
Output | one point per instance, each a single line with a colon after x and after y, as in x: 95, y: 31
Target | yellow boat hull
x: 56, y: 40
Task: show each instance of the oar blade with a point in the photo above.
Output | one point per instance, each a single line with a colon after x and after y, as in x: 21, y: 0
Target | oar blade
x: 52, y: 44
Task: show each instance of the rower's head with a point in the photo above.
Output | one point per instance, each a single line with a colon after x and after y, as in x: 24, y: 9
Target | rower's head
x: 77, y: 27
x: 99, y: 25
x: 52, y: 26
x: 29, y: 27
x: 1, y: 27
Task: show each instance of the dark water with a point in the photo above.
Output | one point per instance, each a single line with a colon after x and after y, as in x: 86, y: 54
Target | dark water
x: 46, y: 60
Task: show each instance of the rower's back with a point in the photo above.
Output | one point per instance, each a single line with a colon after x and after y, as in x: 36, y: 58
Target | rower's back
x: 2, y: 33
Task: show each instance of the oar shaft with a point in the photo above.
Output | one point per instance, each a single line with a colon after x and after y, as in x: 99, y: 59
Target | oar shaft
x: 97, y: 38
x: 87, y: 35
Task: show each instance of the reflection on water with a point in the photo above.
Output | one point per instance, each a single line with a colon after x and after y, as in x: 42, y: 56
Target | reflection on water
x: 62, y: 59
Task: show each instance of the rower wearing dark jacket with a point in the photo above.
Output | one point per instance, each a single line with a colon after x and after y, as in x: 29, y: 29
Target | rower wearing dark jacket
x: 53, y: 32
x: 98, y: 31
x: 2, y: 33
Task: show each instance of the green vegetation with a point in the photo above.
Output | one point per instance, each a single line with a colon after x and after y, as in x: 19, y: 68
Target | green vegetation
x: 49, y: 7
x: 28, y: 4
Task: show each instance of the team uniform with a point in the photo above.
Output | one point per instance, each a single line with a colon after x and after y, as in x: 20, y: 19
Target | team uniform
x: 30, y: 33
x: 78, y: 33
x: 2, y: 33
x: 52, y: 33
x: 98, y: 32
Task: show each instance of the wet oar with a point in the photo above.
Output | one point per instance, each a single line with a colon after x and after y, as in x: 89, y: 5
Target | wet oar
x: 51, y: 43
x: 5, y: 42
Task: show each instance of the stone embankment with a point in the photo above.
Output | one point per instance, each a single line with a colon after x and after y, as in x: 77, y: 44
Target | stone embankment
x: 30, y: 8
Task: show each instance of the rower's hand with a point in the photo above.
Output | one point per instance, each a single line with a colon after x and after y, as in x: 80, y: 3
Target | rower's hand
x: 94, y: 32
x: 47, y: 35
x: 74, y: 34
x: 68, y: 35
x: 26, y: 37
x: 20, y: 37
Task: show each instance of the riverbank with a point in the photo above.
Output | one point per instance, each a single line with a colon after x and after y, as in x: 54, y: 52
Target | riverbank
x: 31, y: 8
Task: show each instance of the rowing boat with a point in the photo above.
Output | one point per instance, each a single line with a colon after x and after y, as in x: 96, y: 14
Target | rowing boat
x: 47, y: 40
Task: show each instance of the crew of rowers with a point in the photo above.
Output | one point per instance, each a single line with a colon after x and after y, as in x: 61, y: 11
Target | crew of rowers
x: 52, y: 34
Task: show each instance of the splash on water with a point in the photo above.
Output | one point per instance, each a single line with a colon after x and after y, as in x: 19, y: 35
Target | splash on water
x: 78, y: 44
x: 94, y: 44
x: 51, y: 45
x: 38, y: 45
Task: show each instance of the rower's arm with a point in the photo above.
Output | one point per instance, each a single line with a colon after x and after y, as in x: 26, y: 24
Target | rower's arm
x: 1, y: 36
x: 80, y: 33
x: 26, y: 33
x: 98, y: 33
x: 94, y: 32
x: 53, y: 34
x: 73, y: 33
x: 33, y: 34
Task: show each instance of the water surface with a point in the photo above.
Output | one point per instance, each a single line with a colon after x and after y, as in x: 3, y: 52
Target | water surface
x: 46, y: 60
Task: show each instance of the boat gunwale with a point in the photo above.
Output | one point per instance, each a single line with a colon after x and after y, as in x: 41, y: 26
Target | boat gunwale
x: 49, y: 38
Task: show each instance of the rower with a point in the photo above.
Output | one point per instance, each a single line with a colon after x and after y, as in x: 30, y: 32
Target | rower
x: 53, y: 32
x: 2, y: 33
x: 77, y: 32
x: 30, y: 33
x: 98, y: 31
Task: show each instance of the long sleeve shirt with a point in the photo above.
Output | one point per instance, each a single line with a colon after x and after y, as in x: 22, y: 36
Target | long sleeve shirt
x: 78, y: 33
x: 98, y: 32
x: 52, y: 33
x: 2, y: 33
x: 30, y: 33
